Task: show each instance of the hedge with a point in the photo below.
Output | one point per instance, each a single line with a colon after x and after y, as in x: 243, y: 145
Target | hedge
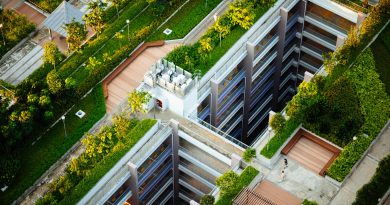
x: 244, y: 180
x: 378, y: 185
x: 109, y: 160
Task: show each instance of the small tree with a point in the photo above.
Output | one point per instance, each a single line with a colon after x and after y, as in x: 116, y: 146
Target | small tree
x: 242, y: 14
x: 51, y: 54
x: 228, y: 182
x: 249, y: 154
x: 76, y: 34
x: 92, y: 64
x: 205, y: 46
x: 278, y: 122
x: 207, y: 200
x: 94, y: 18
x: 137, y: 100
x: 116, y: 3
x: 54, y: 82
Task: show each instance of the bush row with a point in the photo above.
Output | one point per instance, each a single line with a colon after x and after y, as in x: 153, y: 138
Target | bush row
x: 103, y: 151
x: 230, y: 184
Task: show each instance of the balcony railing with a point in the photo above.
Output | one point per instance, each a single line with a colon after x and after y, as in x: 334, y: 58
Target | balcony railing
x: 144, y: 174
x: 117, y: 200
x: 262, y: 93
x: 262, y: 80
x: 318, y: 37
x: 237, y: 78
x: 268, y: 40
x: 260, y: 108
x: 230, y: 116
x: 224, y: 105
x: 262, y: 65
x: 326, y: 23
x: 156, y: 179
x: 204, y: 113
x: 292, y: 20
x: 257, y: 122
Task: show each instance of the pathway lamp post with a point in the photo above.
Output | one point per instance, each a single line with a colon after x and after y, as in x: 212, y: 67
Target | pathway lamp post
x: 128, y: 29
x: 63, y: 120
x: 269, y: 136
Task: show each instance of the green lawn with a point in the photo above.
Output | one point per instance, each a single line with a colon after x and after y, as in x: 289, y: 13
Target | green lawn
x: 381, y: 50
x: 37, y: 158
x: 185, y: 20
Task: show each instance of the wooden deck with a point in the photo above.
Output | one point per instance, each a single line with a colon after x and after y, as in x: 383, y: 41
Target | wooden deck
x: 133, y: 74
x: 276, y: 194
x: 311, y: 151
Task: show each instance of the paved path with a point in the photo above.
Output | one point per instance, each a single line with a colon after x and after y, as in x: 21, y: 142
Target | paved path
x: 365, y: 170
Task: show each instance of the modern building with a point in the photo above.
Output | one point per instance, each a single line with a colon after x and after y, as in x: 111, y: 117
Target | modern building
x: 171, y: 164
x: 228, y: 108
x: 262, y: 70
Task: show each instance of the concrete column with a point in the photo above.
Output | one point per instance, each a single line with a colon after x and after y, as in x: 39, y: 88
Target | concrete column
x: 134, y: 199
x: 175, y: 158
x: 248, y: 67
x: 270, y: 116
x: 236, y: 161
x: 213, y: 105
x: 340, y: 41
x: 280, y: 48
x: 307, y: 76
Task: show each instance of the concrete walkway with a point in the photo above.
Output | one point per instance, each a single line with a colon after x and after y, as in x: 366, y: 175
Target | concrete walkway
x: 365, y: 170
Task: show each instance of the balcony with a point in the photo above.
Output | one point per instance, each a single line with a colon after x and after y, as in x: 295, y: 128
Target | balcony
x: 234, y: 123
x: 288, y: 90
x: 310, y: 63
x: 263, y: 64
x: 312, y: 50
x: 157, y: 178
x: 119, y: 197
x: 264, y: 46
x: 160, y: 190
x: 257, y: 122
x: 189, y: 186
x: 262, y: 79
x: 286, y: 79
x: 204, y: 113
x: 292, y: 20
x: 291, y: 49
x: 152, y: 165
x: 237, y: 79
x: 320, y: 38
x: 197, y: 173
x: 325, y: 24
x: 233, y: 114
x: 291, y: 61
x: 184, y: 153
x: 262, y: 93
x: 260, y: 108
x: 229, y: 100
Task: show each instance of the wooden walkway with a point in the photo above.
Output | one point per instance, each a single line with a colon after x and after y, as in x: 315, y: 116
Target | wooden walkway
x: 310, y: 154
x: 275, y: 194
x: 131, y: 77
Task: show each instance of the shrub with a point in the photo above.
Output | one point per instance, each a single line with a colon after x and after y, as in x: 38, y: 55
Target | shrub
x: 308, y: 202
x: 249, y: 154
x: 343, y: 164
x: 278, y: 122
x: 207, y: 200
x: 233, y: 184
x: 378, y: 185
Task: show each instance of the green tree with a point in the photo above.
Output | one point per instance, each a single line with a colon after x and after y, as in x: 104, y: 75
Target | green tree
x: 92, y: 64
x: 51, y: 54
x: 54, y: 82
x: 117, y: 3
x: 76, y: 34
x: 121, y: 125
x: 205, y: 46
x: 207, y: 200
x: 228, y: 182
x: 70, y: 83
x: 137, y: 100
x: 278, y: 122
x: 241, y: 13
x: 222, y: 29
x: 94, y: 18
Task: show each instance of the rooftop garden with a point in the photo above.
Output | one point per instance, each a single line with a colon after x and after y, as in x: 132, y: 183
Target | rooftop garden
x: 15, y: 28
x: 356, y: 5
x: 381, y: 51
x: 185, y: 20
x: 230, y: 184
x: 103, y: 151
x: 350, y: 101
x: 201, y: 56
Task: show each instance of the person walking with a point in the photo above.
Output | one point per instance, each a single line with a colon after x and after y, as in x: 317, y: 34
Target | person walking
x: 282, y: 176
x: 285, y: 163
